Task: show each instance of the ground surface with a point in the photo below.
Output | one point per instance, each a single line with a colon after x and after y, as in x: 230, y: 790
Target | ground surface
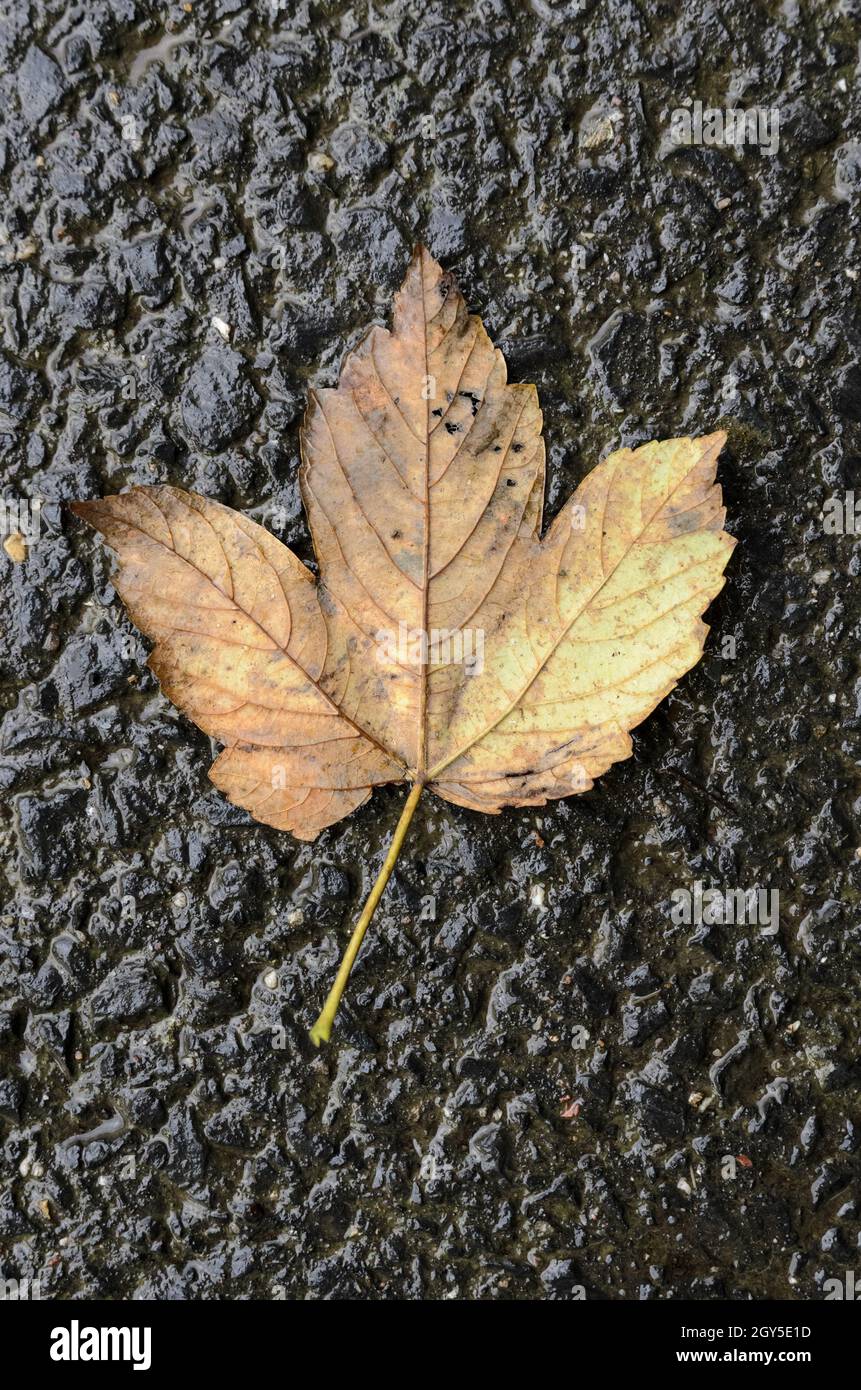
x: 507, y: 1110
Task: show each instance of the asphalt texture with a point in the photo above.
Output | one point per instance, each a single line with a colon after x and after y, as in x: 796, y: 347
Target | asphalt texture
x: 541, y: 1085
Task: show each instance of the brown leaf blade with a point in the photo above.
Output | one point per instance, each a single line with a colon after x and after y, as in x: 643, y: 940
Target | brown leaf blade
x: 447, y: 643
x: 423, y: 479
x: 423, y: 472
x: 241, y: 645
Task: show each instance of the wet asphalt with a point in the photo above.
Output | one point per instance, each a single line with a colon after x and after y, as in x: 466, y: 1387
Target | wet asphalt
x: 543, y: 1085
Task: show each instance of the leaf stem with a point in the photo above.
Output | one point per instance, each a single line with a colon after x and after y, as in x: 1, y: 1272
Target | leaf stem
x: 322, y: 1030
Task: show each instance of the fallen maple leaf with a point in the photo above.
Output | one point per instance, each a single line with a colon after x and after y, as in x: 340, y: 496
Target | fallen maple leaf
x: 447, y: 644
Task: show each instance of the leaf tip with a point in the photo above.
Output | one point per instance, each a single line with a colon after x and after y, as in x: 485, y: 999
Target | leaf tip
x: 424, y: 260
x: 714, y: 442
